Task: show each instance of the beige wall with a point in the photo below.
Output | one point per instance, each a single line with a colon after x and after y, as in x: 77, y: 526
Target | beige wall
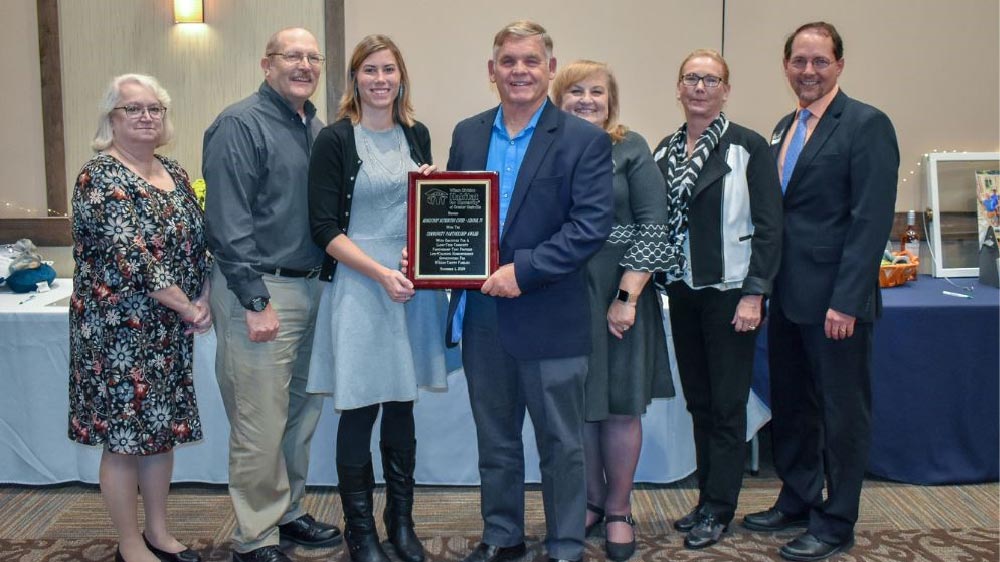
x: 643, y: 40
x: 22, y: 162
x: 932, y: 66
x: 203, y: 67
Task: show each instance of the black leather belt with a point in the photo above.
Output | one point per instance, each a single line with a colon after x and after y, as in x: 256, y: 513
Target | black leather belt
x: 285, y: 272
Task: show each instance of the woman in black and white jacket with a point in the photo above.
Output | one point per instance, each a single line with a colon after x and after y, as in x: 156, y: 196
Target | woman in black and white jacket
x: 724, y: 234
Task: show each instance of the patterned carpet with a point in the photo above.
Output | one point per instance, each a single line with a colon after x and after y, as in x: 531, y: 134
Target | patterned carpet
x: 898, y: 523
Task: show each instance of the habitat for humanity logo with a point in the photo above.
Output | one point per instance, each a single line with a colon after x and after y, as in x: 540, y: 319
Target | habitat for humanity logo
x: 436, y: 196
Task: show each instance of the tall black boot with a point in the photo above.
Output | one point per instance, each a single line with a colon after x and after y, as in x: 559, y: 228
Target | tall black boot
x: 360, y: 534
x: 397, y: 468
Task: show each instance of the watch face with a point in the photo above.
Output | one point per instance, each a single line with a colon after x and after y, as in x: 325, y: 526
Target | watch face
x: 623, y: 295
x: 257, y: 304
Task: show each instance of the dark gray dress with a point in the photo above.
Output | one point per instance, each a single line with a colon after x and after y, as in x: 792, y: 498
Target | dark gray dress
x: 625, y: 375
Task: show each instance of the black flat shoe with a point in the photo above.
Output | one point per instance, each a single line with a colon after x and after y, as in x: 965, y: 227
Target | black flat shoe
x: 592, y: 528
x: 186, y: 555
x: 774, y: 520
x: 620, y: 551
x: 809, y: 548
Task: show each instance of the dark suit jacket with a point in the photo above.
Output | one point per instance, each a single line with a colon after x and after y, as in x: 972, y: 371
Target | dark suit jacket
x: 561, y: 213
x: 838, y: 212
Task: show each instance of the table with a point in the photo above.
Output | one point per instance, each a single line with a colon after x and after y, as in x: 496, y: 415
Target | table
x: 935, y: 384
x: 936, y: 376
x: 34, y: 449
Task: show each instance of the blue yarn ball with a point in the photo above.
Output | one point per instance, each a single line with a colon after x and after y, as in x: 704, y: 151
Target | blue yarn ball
x: 26, y: 280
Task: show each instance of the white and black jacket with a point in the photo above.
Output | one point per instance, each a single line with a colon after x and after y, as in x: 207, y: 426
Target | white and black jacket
x: 734, y: 213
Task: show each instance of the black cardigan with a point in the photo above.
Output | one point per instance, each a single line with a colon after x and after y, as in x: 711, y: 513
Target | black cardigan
x: 333, y: 168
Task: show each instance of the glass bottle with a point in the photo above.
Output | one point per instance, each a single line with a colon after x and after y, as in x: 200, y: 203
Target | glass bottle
x: 909, y: 240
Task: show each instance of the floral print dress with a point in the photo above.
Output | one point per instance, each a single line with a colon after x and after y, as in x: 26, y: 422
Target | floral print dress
x: 131, y: 385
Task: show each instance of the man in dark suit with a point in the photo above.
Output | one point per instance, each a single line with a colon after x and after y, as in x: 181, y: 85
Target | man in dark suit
x: 526, y: 333
x: 838, y: 161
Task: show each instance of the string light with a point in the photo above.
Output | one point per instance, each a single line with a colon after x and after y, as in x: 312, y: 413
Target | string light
x: 919, y: 162
x: 49, y: 213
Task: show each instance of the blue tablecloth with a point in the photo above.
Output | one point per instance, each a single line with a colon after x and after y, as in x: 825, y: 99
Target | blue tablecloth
x: 935, y: 384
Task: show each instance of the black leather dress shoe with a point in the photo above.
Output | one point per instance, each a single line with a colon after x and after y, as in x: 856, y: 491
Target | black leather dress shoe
x: 186, y: 555
x: 706, y: 532
x: 490, y: 553
x: 686, y: 523
x: 262, y: 554
x: 308, y: 532
x: 807, y: 548
x: 773, y: 520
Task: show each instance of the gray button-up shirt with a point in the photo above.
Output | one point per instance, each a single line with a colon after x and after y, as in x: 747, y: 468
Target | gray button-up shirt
x: 255, y: 161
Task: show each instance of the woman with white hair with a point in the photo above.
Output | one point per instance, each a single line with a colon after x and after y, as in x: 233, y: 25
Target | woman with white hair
x: 140, y: 290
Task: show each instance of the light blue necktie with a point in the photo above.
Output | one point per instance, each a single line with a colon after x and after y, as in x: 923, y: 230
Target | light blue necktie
x: 794, y: 149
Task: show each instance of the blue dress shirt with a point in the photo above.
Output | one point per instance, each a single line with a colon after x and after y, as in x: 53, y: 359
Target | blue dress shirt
x: 504, y: 157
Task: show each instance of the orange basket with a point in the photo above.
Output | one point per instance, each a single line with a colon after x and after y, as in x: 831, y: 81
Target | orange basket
x: 898, y: 274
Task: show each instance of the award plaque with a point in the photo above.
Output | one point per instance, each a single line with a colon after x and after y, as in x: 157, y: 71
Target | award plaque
x: 451, y: 229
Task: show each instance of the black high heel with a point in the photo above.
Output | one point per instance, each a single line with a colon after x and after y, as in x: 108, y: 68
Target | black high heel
x: 593, y: 526
x: 620, y: 551
x: 186, y: 555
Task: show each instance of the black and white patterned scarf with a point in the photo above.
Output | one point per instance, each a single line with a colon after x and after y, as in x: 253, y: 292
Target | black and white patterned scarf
x: 681, y: 174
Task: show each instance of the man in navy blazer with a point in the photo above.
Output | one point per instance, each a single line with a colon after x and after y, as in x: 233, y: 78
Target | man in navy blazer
x: 838, y: 161
x: 526, y: 334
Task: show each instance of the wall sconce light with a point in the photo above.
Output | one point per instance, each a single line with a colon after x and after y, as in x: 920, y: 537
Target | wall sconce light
x: 189, y: 11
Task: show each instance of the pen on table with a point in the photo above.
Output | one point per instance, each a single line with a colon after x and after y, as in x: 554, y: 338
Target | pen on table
x: 959, y: 295
x: 27, y: 299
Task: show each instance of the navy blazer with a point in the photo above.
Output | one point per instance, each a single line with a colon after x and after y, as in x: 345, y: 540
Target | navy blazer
x: 561, y: 213
x: 838, y: 212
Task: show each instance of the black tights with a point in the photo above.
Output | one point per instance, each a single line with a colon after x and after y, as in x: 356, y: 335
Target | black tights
x: 354, y: 433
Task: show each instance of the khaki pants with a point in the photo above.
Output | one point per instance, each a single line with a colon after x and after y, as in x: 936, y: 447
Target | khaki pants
x: 272, y: 419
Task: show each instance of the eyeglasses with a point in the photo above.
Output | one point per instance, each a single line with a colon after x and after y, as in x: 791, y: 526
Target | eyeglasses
x: 314, y: 59
x: 136, y: 111
x: 819, y: 63
x: 691, y: 80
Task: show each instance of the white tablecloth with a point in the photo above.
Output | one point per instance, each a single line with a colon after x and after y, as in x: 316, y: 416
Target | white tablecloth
x: 34, y: 449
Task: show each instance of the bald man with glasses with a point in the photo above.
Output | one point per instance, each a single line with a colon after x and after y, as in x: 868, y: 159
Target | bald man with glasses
x: 255, y: 163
